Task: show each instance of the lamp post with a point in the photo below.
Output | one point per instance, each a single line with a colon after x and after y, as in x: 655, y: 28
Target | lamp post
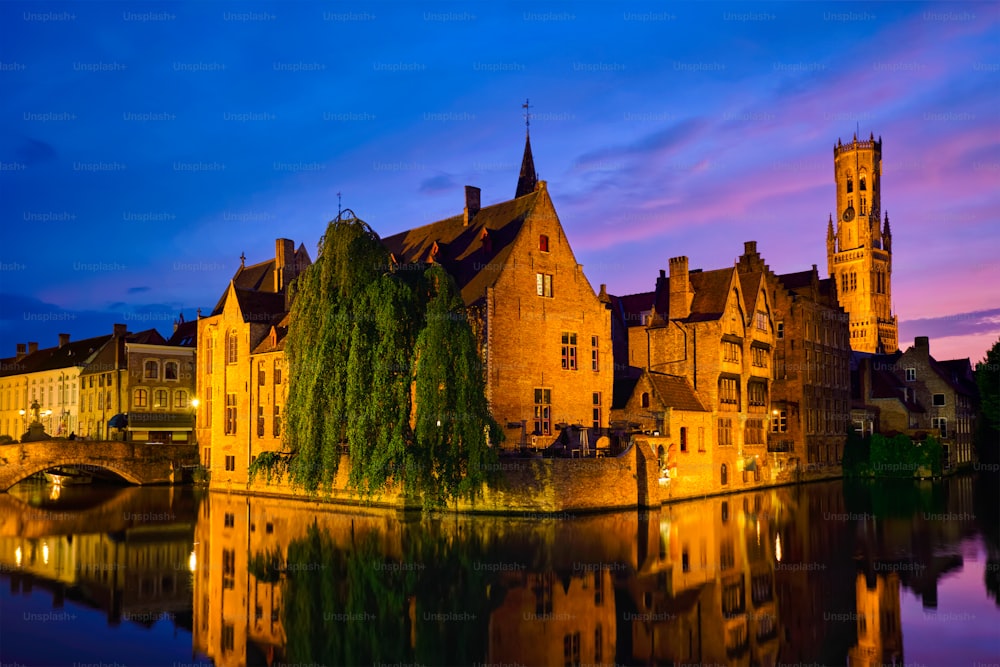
x: 24, y: 419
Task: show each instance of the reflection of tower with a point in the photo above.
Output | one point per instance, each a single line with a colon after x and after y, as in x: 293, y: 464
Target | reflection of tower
x: 859, y: 252
x: 880, y: 635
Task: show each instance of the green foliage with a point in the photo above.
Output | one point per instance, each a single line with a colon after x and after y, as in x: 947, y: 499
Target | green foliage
x: 267, y: 567
x: 358, y: 327
x: 881, y: 456
x: 273, y: 465
x: 988, y: 430
x: 454, y: 428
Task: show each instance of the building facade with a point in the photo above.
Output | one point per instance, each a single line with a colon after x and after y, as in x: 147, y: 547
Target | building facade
x: 859, y: 250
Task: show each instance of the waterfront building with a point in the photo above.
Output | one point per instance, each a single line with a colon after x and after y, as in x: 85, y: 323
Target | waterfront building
x: 242, y: 322
x: 140, y: 387
x: 48, y: 378
x: 545, y: 334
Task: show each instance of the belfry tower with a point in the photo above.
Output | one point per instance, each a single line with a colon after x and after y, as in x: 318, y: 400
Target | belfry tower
x: 859, y: 246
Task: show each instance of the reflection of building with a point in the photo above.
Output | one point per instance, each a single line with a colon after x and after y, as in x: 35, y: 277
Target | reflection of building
x: 548, y: 618
x: 880, y: 633
x: 710, y: 597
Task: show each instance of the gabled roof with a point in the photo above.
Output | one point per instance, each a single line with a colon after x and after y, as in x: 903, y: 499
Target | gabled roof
x: 630, y: 307
x: 885, y: 383
x: 953, y: 372
x: 675, y: 392
x: 750, y: 283
x: 260, y: 307
x: 623, y: 388
x: 274, y: 341
x: 259, y: 278
x: 711, y: 293
x: 105, y: 358
x: 797, y: 280
x: 473, y: 254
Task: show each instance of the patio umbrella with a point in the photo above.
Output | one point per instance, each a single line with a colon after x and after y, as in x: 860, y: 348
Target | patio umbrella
x: 118, y: 421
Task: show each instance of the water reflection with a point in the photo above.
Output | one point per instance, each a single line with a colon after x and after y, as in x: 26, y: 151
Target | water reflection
x: 817, y: 574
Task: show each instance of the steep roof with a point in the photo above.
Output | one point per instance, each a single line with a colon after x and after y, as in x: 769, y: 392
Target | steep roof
x: 528, y: 178
x: 623, y: 388
x: 750, y: 283
x: 797, y: 280
x: 185, y: 335
x: 473, y: 254
x: 952, y: 371
x: 630, y: 307
x: 675, y: 392
x: 711, y: 293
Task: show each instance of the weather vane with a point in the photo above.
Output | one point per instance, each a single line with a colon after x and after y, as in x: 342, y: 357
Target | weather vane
x: 527, y: 116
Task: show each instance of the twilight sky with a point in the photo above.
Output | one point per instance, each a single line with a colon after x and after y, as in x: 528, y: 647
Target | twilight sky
x: 144, y: 146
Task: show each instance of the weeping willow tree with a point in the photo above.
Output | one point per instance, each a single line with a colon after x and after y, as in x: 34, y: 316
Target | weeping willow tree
x: 365, y: 336
x: 453, y: 426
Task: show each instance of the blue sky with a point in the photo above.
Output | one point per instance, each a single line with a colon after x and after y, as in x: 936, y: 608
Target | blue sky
x: 144, y: 146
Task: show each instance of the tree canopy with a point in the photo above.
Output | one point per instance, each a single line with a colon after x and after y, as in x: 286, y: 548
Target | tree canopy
x: 365, y: 337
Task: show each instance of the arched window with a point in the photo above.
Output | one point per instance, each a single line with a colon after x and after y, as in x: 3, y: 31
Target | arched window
x: 151, y: 370
x: 170, y: 370
x: 645, y: 399
x: 850, y: 183
x: 232, y: 347
x: 180, y: 399
x: 140, y: 399
x: 725, y: 475
x: 861, y: 184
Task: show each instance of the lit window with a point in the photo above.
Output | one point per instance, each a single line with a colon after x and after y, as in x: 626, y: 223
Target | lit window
x: 161, y: 399
x: 543, y: 411
x: 180, y: 399
x: 569, y: 351
x: 140, y: 399
x: 543, y: 284
x: 151, y: 370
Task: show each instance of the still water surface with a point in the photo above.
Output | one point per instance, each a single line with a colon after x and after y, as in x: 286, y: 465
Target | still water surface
x: 823, y: 574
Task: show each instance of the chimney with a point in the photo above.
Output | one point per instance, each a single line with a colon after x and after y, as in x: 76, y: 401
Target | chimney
x: 284, y: 263
x: 749, y: 247
x: 472, y: 194
x: 32, y: 347
x: 680, y: 288
x: 120, y: 330
x: 22, y: 351
x: 63, y: 340
x: 922, y: 343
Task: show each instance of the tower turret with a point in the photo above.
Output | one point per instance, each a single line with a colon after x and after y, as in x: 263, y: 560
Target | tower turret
x: 859, y: 254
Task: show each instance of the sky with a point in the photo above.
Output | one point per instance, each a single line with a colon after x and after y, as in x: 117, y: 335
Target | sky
x: 145, y: 146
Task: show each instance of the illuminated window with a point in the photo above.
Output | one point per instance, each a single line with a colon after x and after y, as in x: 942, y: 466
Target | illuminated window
x: 180, y: 399
x: 543, y: 411
x: 140, y: 398
x: 161, y: 399
x: 151, y: 370
x: 543, y: 284
x: 569, y: 351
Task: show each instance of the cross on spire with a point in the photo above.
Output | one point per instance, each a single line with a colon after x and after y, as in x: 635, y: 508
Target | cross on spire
x: 527, y: 116
x: 243, y: 259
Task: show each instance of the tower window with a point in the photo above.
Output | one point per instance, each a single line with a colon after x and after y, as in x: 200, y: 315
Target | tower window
x: 850, y: 185
x: 861, y: 184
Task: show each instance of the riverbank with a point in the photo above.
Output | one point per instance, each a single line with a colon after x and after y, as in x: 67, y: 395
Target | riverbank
x: 556, y: 486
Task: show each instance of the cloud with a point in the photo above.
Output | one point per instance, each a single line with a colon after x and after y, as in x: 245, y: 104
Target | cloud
x: 437, y: 184
x: 138, y: 290
x: 33, y: 152
x: 957, y: 324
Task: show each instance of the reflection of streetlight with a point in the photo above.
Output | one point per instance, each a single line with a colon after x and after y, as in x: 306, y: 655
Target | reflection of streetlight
x: 193, y: 561
x: 777, y: 547
x: 18, y: 556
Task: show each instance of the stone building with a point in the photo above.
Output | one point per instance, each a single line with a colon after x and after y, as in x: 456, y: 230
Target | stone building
x: 255, y: 300
x: 48, y: 377
x: 140, y: 387
x: 858, y: 250
x: 545, y: 334
x: 810, y: 398
x: 912, y: 393
x: 715, y: 330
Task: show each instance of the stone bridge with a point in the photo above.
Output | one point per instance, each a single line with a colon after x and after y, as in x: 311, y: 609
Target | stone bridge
x: 136, y: 463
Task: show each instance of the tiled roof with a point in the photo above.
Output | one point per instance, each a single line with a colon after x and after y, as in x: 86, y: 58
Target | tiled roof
x: 952, y: 371
x: 74, y: 353
x: 274, y: 341
x: 797, y: 280
x: 750, y: 284
x: 711, y: 293
x: 475, y: 254
x: 185, y: 335
x: 675, y: 392
x: 105, y: 359
x: 260, y: 307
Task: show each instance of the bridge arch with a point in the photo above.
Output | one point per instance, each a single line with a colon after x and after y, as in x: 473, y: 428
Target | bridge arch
x: 35, y: 467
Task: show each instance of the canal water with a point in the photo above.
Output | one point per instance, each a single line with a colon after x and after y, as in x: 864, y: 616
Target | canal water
x: 819, y: 574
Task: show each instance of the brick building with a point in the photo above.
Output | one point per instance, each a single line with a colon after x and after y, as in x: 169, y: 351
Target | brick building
x: 810, y: 397
x: 228, y: 369
x: 544, y: 333
x: 143, y: 385
x: 715, y: 330
x: 912, y: 393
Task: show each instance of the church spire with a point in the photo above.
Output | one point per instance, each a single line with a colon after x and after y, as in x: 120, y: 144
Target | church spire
x: 528, y: 178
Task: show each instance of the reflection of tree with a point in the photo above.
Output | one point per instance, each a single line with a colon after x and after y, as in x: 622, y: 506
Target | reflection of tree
x: 356, y: 606
x: 987, y: 509
x: 887, y: 498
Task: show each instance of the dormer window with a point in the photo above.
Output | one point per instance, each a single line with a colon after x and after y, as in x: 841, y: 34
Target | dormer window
x: 543, y: 243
